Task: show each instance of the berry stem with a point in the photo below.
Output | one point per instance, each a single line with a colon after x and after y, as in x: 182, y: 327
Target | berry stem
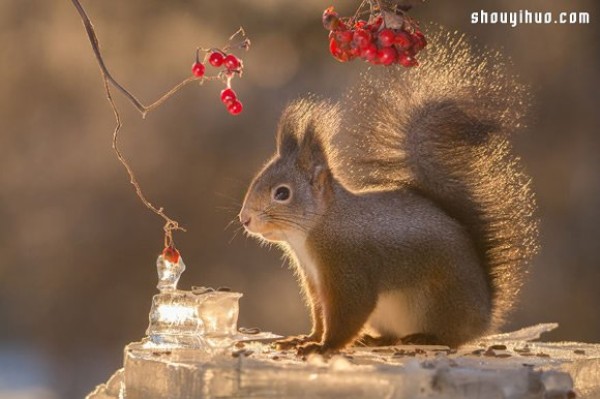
x: 244, y: 44
x: 170, y: 93
x: 358, y: 11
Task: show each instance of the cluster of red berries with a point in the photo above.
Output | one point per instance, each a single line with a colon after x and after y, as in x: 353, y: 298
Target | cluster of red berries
x: 229, y: 98
x: 372, y: 41
x: 232, y: 65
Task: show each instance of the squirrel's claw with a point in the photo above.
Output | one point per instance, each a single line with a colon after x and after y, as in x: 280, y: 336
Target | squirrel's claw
x: 291, y: 342
x: 311, y: 347
x: 315, y: 348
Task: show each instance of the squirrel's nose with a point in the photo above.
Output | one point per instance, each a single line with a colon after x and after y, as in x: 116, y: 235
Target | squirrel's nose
x: 245, y: 218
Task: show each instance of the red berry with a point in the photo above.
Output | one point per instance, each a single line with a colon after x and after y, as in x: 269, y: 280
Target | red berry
x: 170, y: 254
x: 369, y: 53
x: 216, y: 59
x: 360, y: 24
x: 231, y: 62
x: 419, y: 41
x: 228, y: 96
x: 387, y: 55
x: 331, y: 19
x: 198, y: 69
x: 351, y: 53
x: 362, y: 38
x: 341, y: 25
x: 354, y: 51
x: 375, y: 25
x: 334, y: 47
x: 344, y: 37
x: 335, y: 50
x: 235, y: 107
x: 407, y: 60
x: 386, y: 37
x: 403, y: 40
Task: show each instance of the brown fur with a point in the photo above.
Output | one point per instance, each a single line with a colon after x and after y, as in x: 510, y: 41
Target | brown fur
x: 408, y: 188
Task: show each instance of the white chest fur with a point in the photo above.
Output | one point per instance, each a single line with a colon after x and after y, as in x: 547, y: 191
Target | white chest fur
x: 395, y: 315
x: 299, y: 250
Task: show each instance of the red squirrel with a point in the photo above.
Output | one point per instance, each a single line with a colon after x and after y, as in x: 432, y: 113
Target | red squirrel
x: 402, y: 207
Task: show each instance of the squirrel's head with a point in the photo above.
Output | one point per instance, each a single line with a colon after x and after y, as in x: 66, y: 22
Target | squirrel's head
x: 292, y: 191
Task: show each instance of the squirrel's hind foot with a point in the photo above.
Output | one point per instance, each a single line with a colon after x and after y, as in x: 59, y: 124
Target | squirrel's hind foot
x: 367, y: 340
x: 420, y: 339
x: 370, y: 341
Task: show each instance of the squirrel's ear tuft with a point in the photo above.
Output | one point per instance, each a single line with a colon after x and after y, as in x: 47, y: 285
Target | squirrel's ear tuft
x: 312, y: 152
x: 287, y: 141
x: 304, y: 129
x: 312, y: 159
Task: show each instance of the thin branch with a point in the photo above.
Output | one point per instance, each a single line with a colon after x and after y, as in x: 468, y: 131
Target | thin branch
x: 170, y: 224
x: 143, y: 109
x: 168, y: 94
x: 89, y: 28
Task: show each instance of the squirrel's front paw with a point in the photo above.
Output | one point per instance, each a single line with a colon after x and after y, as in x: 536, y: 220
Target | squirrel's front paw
x: 291, y: 342
x: 311, y: 347
x: 317, y: 348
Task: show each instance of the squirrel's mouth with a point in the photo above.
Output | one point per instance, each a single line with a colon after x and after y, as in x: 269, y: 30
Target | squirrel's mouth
x: 265, y: 232
x: 260, y: 225
x: 264, y: 229
x: 267, y: 235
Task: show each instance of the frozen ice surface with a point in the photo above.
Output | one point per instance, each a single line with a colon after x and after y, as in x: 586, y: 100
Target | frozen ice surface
x: 202, y: 319
x: 113, y: 389
x: 525, y: 334
x: 507, y: 368
x: 185, y: 319
x: 168, y: 273
x: 194, y: 350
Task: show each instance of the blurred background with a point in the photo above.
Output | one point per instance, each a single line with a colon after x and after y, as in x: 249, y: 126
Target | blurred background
x: 77, y: 248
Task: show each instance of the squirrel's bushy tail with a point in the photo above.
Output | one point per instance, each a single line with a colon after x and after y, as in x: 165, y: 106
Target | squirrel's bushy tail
x: 443, y: 129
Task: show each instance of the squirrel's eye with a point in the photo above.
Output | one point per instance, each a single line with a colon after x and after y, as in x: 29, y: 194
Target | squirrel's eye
x: 281, y: 194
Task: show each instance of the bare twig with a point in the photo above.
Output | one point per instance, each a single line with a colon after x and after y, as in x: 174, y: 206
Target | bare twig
x: 170, y: 224
x: 143, y: 109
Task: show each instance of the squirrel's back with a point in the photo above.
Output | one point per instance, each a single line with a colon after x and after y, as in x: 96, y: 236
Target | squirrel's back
x: 443, y: 129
